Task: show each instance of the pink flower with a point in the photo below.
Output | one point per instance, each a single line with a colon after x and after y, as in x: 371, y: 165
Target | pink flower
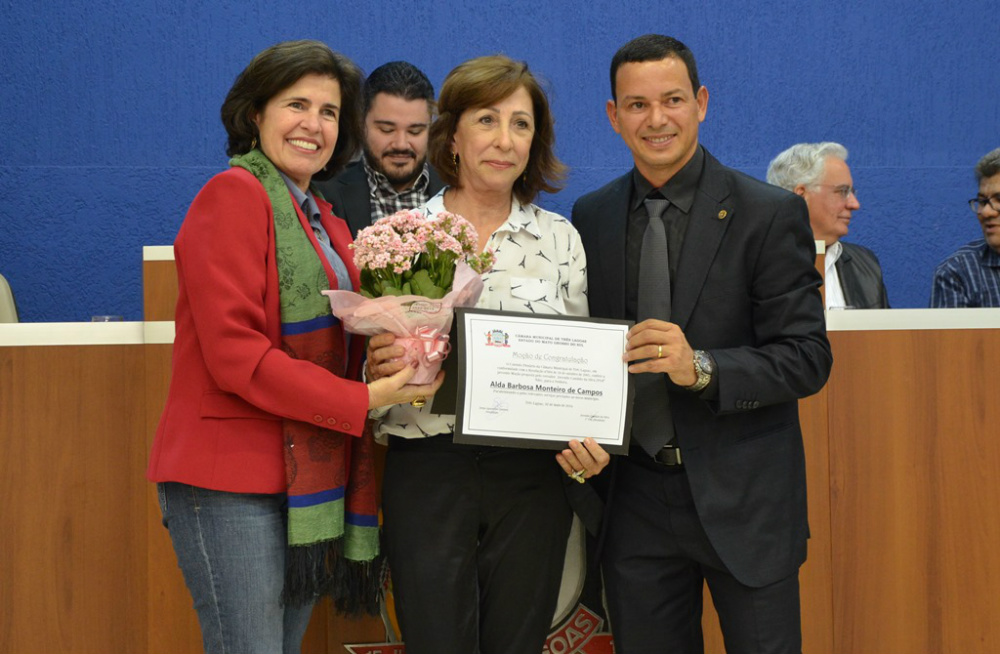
x: 410, y: 253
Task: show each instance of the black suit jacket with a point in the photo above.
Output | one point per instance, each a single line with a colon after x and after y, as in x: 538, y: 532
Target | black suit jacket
x: 747, y: 291
x: 861, y: 278
x: 348, y: 193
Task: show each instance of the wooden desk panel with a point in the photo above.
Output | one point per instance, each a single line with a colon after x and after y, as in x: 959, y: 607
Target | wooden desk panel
x: 159, y: 290
x: 903, y: 463
x: 72, y: 560
x: 915, y: 481
x: 815, y: 577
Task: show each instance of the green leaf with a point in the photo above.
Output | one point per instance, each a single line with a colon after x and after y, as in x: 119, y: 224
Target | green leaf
x: 423, y: 285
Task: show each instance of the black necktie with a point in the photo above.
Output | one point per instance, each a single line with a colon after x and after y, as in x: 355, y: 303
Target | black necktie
x: 652, y: 424
x: 654, y: 265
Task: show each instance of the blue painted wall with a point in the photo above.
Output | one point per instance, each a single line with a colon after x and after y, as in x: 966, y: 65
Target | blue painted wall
x: 110, y: 125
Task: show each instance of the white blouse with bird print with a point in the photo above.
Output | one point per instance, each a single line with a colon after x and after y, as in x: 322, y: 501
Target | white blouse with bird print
x: 540, y: 268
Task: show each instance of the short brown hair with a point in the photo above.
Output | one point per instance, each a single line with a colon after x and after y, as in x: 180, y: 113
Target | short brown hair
x: 274, y: 70
x: 479, y: 83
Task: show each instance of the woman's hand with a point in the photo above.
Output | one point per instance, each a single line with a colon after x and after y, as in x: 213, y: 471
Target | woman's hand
x: 394, y: 389
x: 583, y: 460
x: 388, y: 374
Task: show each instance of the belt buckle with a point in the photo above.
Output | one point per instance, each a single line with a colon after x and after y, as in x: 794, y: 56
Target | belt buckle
x: 669, y: 455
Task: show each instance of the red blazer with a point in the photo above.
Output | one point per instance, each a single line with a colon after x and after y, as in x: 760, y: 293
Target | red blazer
x: 231, y: 383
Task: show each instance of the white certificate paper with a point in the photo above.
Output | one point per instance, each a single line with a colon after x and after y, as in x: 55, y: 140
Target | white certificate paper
x: 526, y: 380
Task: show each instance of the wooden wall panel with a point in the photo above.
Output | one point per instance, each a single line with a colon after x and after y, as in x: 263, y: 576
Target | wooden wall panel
x: 72, y: 562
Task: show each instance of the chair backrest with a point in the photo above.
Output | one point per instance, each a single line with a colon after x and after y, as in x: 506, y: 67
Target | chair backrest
x: 8, y: 309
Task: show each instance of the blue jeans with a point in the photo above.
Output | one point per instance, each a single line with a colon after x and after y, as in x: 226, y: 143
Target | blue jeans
x: 231, y: 549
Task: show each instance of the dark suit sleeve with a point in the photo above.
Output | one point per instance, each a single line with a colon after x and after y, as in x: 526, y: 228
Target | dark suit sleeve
x: 881, y: 294
x: 861, y: 278
x: 348, y: 194
x: 883, y: 297
x: 328, y: 190
x: 789, y: 355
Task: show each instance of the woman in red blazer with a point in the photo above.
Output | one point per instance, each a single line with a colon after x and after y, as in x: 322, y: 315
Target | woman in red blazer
x: 261, y: 367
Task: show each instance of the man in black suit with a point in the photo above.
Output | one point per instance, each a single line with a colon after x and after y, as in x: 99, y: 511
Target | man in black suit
x: 730, y: 335
x: 820, y: 174
x: 393, y: 174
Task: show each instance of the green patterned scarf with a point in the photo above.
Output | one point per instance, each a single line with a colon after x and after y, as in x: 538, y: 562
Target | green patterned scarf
x: 333, y: 542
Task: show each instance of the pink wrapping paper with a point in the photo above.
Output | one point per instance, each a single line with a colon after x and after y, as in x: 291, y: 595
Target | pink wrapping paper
x: 420, y: 324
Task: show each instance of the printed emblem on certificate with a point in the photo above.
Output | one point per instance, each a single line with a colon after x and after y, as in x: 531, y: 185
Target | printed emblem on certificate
x: 527, y: 380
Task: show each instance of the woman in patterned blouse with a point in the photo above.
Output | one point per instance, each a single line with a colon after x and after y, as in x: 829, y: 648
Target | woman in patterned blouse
x: 475, y: 535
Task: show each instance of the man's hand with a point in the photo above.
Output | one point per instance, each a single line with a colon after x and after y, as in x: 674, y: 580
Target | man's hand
x: 660, y: 346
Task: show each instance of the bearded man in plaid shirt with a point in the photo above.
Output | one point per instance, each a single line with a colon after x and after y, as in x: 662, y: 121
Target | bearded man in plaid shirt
x: 393, y: 174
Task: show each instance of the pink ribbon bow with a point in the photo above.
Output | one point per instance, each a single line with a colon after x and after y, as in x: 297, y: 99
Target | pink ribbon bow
x: 434, y: 344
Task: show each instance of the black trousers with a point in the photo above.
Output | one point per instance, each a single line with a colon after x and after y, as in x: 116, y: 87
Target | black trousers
x: 656, y: 560
x: 476, y: 539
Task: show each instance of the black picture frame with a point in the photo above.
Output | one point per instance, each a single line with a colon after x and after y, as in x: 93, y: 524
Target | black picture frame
x: 454, y: 398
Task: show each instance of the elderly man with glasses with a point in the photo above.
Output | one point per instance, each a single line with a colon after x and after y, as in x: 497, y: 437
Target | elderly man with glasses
x: 971, y: 276
x: 819, y: 173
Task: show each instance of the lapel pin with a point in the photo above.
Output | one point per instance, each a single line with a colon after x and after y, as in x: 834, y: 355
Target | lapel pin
x: 723, y: 214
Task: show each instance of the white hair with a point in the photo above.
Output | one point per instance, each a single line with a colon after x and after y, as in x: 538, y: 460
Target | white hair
x: 803, y: 163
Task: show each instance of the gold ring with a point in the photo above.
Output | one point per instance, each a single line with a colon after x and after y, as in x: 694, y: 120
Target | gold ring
x: 659, y: 351
x: 577, y: 475
x: 418, y: 401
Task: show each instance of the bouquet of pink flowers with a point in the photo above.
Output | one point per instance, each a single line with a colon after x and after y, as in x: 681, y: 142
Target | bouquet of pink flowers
x: 415, y: 269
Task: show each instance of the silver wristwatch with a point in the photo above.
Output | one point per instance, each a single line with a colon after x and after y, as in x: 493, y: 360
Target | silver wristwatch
x: 703, y: 368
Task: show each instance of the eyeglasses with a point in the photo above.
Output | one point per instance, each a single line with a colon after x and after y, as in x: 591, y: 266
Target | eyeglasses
x: 978, y: 203
x: 843, y: 190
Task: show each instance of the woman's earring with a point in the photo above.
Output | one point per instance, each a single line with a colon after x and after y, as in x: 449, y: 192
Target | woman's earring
x: 454, y: 159
x: 253, y: 143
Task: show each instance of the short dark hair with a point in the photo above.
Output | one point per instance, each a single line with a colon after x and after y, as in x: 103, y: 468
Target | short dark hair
x: 479, y: 83
x: 653, y: 47
x: 399, y: 78
x: 279, y: 67
x: 988, y: 166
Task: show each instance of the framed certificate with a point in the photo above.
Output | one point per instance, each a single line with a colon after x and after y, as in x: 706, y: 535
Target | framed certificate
x: 526, y: 380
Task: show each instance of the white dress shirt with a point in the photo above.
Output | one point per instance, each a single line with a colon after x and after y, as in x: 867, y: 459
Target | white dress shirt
x: 834, y: 294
